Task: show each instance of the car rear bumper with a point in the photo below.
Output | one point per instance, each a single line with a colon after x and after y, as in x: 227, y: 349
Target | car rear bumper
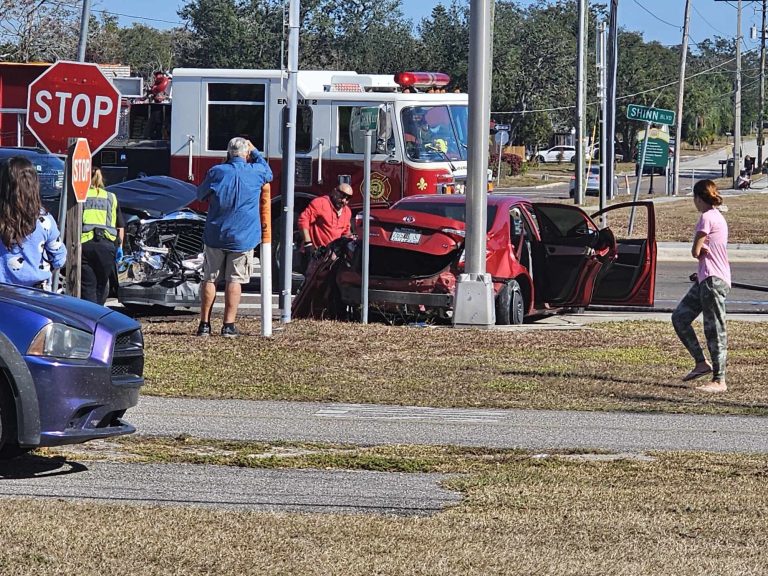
x: 170, y: 293
x: 353, y: 295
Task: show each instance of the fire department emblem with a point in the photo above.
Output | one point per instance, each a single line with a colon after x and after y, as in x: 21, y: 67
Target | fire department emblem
x: 381, y: 188
x: 421, y: 184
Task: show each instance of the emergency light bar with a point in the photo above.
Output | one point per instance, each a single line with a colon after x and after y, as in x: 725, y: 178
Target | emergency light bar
x: 422, y: 79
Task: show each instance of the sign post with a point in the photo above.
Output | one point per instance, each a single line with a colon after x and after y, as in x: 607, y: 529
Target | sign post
x: 78, y: 174
x: 369, y: 121
x: 501, y: 137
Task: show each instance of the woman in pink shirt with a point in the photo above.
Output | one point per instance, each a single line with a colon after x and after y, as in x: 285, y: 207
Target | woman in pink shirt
x: 707, y: 295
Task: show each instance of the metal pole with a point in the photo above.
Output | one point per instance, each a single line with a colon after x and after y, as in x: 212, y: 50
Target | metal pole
x: 578, y: 195
x: 760, y: 135
x: 83, y: 30
x: 613, y: 59
x: 680, y: 91
x: 498, y: 172
x: 366, y: 223
x: 639, y: 179
x: 290, y: 161
x: 473, y: 300
x: 602, y: 97
x: 737, y: 101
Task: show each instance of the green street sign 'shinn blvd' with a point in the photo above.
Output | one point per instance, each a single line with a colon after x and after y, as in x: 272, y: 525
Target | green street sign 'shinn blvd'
x: 647, y: 114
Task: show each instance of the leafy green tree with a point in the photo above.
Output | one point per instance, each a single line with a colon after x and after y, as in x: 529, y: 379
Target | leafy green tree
x: 444, y: 41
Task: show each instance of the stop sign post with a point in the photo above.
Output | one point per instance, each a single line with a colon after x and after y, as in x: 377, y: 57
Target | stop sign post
x: 78, y: 180
x: 72, y: 100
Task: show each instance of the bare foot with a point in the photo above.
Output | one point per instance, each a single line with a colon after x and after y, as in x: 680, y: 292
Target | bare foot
x: 714, y: 386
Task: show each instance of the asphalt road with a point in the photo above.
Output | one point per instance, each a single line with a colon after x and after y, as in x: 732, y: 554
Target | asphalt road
x: 225, y: 487
x: 375, y: 424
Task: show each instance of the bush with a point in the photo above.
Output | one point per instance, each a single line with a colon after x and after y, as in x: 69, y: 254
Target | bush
x: 511, y: 164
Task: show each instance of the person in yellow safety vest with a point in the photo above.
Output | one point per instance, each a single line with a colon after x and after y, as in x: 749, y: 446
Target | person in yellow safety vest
x: 102, y: 240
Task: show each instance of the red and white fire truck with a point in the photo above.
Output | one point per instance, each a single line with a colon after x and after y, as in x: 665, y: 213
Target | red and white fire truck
x: 420, y: 146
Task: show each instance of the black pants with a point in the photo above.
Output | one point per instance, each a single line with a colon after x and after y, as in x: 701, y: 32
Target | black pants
x: 98, y: 265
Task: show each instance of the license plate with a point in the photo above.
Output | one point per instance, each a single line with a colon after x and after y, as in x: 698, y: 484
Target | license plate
x: 405, y: 236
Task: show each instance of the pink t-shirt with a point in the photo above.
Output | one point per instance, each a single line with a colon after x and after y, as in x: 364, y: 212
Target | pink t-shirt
x: 715, y: 261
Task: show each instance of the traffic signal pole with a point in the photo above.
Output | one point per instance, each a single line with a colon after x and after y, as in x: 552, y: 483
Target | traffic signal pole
x: 680, y: 91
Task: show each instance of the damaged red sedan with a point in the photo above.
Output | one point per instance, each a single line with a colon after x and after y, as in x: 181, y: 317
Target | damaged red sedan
x: 541, y: 256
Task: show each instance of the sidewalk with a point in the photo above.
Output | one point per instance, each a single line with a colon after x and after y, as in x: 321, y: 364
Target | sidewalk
x: 681, y: 252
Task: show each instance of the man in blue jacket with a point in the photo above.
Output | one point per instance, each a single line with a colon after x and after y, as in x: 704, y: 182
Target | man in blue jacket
x: 232, y: 228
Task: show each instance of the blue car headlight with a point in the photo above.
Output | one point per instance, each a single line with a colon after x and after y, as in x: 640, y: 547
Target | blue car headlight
x: 61, y: 341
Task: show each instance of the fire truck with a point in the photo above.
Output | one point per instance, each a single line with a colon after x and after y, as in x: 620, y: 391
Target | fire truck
x: 420, y: 146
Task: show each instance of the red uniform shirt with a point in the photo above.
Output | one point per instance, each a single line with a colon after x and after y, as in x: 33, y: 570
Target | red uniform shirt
x: 324, y: 222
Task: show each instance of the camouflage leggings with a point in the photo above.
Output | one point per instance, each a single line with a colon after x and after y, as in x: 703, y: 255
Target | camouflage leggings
x: 707, y: 298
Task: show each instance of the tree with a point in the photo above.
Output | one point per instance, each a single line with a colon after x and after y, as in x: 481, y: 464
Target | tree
x: 39, y: 30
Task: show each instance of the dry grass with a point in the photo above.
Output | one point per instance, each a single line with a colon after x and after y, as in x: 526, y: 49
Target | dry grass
x: 682, y: 514
x: 617, y: 366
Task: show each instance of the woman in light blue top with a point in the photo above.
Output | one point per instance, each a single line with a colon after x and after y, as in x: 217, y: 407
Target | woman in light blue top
x: 30, y: 243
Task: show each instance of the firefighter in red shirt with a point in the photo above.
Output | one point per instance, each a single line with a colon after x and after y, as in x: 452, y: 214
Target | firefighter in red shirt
x: 326, y: 219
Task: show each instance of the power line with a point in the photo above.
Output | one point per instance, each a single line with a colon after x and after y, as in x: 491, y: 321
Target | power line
x: 707, y: 21
x: 657, y: 18
x: 119, y: 14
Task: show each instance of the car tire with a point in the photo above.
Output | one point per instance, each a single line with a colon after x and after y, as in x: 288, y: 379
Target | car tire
x: 541, y: 159
x: 572, y: 160
x: 510, y: 304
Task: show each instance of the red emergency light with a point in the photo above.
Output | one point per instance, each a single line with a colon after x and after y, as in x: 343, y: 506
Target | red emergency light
x: 422, y: 79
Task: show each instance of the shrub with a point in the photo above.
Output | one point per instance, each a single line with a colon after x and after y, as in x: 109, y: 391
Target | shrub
x: 511, y: 164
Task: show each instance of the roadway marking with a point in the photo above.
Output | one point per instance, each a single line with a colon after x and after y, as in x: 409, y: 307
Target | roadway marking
x: 362, y: 412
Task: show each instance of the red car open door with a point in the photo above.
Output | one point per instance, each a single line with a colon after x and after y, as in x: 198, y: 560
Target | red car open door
x: 568, y: 256
x: 630, y: 280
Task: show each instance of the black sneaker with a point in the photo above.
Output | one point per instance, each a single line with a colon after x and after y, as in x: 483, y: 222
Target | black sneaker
x: 229, y: 331
x: 204, y: 329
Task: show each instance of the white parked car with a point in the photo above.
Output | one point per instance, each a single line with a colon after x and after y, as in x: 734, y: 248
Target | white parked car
x: 559, y: 154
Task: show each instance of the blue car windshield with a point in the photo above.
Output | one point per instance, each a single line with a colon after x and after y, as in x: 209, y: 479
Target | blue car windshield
x: 435, y: 133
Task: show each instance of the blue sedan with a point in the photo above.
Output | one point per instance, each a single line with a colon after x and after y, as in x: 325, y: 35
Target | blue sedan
x: 69, y: 370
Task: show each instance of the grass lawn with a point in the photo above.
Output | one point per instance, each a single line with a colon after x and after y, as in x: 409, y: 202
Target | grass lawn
x: 677, y: 514
x: 616, y: 366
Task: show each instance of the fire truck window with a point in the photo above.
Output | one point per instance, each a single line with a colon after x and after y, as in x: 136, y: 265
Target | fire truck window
x: 430, y: 133
x: 303, y: 129
x: 351, y: 138
x: 235, y: 110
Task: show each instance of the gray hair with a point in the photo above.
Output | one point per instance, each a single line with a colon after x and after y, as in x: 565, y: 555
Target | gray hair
x: 237, y: 147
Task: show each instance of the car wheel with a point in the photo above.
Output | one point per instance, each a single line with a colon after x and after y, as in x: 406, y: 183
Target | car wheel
x: 541, y: 159
x: 573, y: 160
x: 510, y: 304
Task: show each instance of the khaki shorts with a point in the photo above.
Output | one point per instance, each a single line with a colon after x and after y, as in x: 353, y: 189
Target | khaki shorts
x: 237, y: 266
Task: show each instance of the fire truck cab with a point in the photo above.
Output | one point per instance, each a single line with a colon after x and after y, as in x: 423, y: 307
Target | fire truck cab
x: 420, y: 146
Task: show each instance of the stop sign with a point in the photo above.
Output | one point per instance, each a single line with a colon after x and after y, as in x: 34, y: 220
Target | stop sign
x: 80, y: 167
x: 72, y: 100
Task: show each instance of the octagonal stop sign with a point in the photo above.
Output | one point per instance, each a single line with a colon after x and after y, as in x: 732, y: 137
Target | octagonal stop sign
x: 72, y: 100
x: 80, y: 169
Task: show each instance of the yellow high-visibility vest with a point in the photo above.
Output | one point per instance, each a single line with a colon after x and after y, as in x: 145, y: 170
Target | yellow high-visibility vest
x: 99, y: 211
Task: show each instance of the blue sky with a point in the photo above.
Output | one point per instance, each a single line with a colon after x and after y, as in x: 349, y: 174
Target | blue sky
x: 658, y: 19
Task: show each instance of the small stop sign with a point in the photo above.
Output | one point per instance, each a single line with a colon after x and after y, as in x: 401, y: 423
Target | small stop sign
x: 72, y: 100
x: 80, y: 167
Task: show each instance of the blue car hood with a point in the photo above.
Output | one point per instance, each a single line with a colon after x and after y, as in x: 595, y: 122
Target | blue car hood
x: 154, y: 195
x: 59, y: 308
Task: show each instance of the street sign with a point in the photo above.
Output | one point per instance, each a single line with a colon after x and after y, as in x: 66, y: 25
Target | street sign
x: 657, y: 151
x: 369, y: 118
x: 501, y: 138
x: 653, y: 115
x: 503, y: 127
x: 80, y: 169
x: 72, y: 100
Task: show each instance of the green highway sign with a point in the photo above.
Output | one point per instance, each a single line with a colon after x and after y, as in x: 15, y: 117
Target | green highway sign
x: 647, y: 114
x: 369, y: 118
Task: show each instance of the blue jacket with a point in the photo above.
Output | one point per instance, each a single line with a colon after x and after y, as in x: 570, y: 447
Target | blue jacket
x: 233, y: 191
x: 31, y: 262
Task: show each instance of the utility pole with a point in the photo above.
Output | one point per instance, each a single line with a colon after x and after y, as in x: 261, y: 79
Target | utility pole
x: 760, y: 136
x: 86, y: 16
x: 578, y: 195
x: 737, y: 101
x: 601, y: 97
x: 294, y: 17
x: 473, y: 300
x: 612, y: 58
x: 680, y: 92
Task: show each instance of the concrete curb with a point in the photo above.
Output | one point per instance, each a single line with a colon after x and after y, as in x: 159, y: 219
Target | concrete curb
x: 681, y: 252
